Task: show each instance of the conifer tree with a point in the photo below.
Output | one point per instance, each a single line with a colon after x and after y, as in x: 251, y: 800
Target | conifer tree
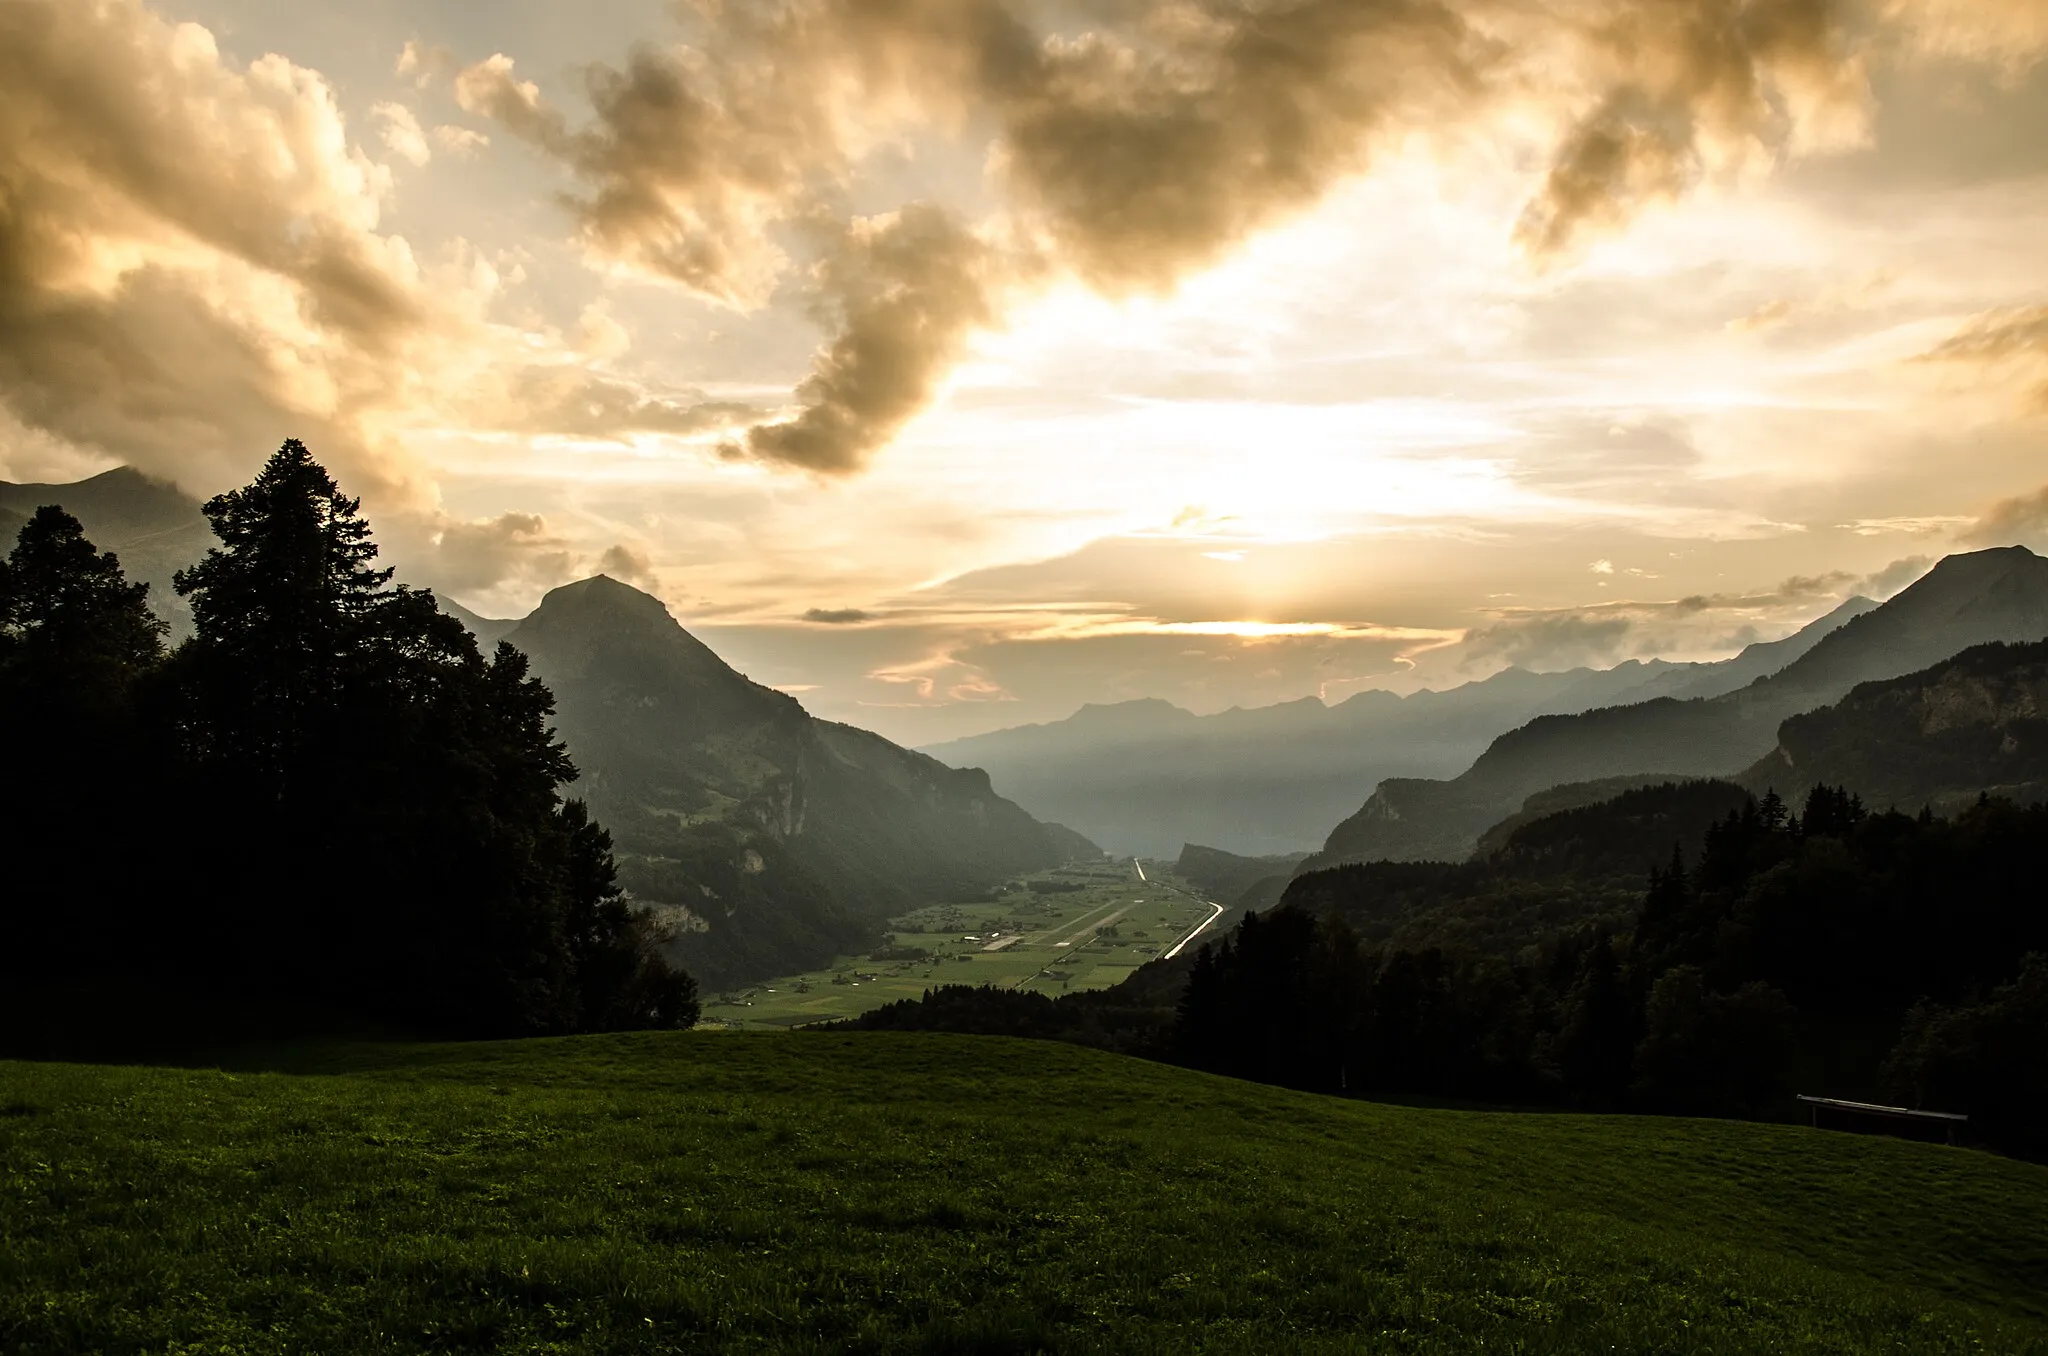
x: 75, y: 639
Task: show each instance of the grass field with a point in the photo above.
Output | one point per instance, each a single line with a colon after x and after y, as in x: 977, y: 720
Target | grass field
x: 918, y: 1193
x: 1051, y: 941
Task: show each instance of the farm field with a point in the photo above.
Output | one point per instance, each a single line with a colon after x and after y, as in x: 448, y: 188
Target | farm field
x: 884, y: 1192
x: 1078, y: 927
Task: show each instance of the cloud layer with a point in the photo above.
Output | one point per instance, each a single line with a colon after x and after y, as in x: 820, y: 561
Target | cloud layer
x: 1127, y: 143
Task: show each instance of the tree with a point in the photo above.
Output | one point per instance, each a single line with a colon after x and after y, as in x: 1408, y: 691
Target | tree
x: 284, y: 609
x: 1705, y: 1053
x: 1596, y: 1041
x: 383, y: 802
x: 1988, y: 1059
x: 76, y: 638
x: 74, y: 633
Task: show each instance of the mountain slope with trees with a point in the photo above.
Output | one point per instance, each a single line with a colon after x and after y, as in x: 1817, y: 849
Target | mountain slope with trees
x: 1972, y: 725
x: 1969, y: 599
x: 772, y: 840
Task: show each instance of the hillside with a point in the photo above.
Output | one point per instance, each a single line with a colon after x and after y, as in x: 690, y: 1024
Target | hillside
x: 1970, y: 599
x: 1543, y: 876
x: 774, y: 840
x: 1143, y: 777
x: 906, y: 1193
x: 1972, y: 724
x: 156, y: 528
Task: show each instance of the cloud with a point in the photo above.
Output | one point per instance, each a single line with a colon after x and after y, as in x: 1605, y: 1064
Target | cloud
x: 1129, y: 143
x: 480, y: 554
x: 837, y: 616
x: 2012, y: 34
x: 903, y: 293
x: 573, y: 400
x: 190, y: 268
x: 683, y: 183
x: 1893, y: 577
x: 1606, y: 633
x: 2020, y: 520
x: 1561, y: 641
x: 630, y: 565
x: 2010, y: 343
x: 1689, y: 87
x: 460, y: 141
x: 403, y: 136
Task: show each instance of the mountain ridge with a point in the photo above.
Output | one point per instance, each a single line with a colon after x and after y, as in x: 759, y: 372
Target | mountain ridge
x: 1263, y: 780
x: 1998, y: 594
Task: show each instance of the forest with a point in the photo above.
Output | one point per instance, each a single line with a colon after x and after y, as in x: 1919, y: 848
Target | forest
x: 327, y: 794
x: 1885, y: 954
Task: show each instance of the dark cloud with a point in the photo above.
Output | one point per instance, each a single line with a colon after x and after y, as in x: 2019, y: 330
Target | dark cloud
x: 1688, y: 83
x: 2021, y: 520
x: 1893, y: 577
x: 837, y: 616
x: 687, y: 163
x: 902, y: 293
x: 628, y: 565
x: 485, y: 553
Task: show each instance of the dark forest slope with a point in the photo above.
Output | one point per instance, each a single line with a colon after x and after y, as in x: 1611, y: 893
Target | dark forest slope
x: 1974, y: 724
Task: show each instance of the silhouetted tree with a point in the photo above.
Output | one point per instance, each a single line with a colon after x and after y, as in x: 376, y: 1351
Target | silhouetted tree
x: 399, y: 843
x: 1988, y: 1059
x: 75, y: 640
x: 1596, y: 1044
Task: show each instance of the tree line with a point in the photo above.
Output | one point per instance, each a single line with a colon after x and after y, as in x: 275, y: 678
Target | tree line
x: 1921, y: 936
x: 327, y: 792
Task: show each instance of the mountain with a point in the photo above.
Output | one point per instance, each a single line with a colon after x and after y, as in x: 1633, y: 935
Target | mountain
x: 1972, y: 724
x: 487, y: 630
x: 1143, y: 776
x: 1237, y: 883
x: 1549, y: 876
x: 773, y: 839
x: 1968, y: 599
x: 156, y: 528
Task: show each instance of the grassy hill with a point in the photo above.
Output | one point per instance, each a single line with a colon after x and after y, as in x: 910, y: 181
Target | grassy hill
x: 883, y: 1193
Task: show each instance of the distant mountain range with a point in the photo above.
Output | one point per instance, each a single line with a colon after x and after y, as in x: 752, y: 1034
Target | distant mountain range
x: 775, y: 839
x: 1966, y: 600
x: 1143, y: 777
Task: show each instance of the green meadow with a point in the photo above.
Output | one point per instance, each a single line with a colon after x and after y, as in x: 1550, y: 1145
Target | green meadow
x: 1083, y: 927
x: 875, y: 1192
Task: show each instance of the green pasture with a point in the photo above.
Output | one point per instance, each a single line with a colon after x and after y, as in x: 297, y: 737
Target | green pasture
x: 1047, y: 942
x: 880, y: 1192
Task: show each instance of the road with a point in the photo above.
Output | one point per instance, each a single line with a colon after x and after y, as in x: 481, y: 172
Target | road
x: 1197, y: 932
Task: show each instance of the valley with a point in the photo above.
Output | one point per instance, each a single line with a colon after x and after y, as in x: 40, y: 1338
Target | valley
x: 1078, y: 928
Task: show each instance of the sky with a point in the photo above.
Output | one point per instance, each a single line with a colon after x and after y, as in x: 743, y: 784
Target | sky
x: 953, y: 363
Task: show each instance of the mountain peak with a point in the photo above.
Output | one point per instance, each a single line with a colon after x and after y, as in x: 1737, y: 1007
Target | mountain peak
x: 602, y: 596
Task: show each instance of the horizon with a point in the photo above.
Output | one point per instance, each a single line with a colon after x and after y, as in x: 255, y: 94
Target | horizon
x: 954, y: 376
